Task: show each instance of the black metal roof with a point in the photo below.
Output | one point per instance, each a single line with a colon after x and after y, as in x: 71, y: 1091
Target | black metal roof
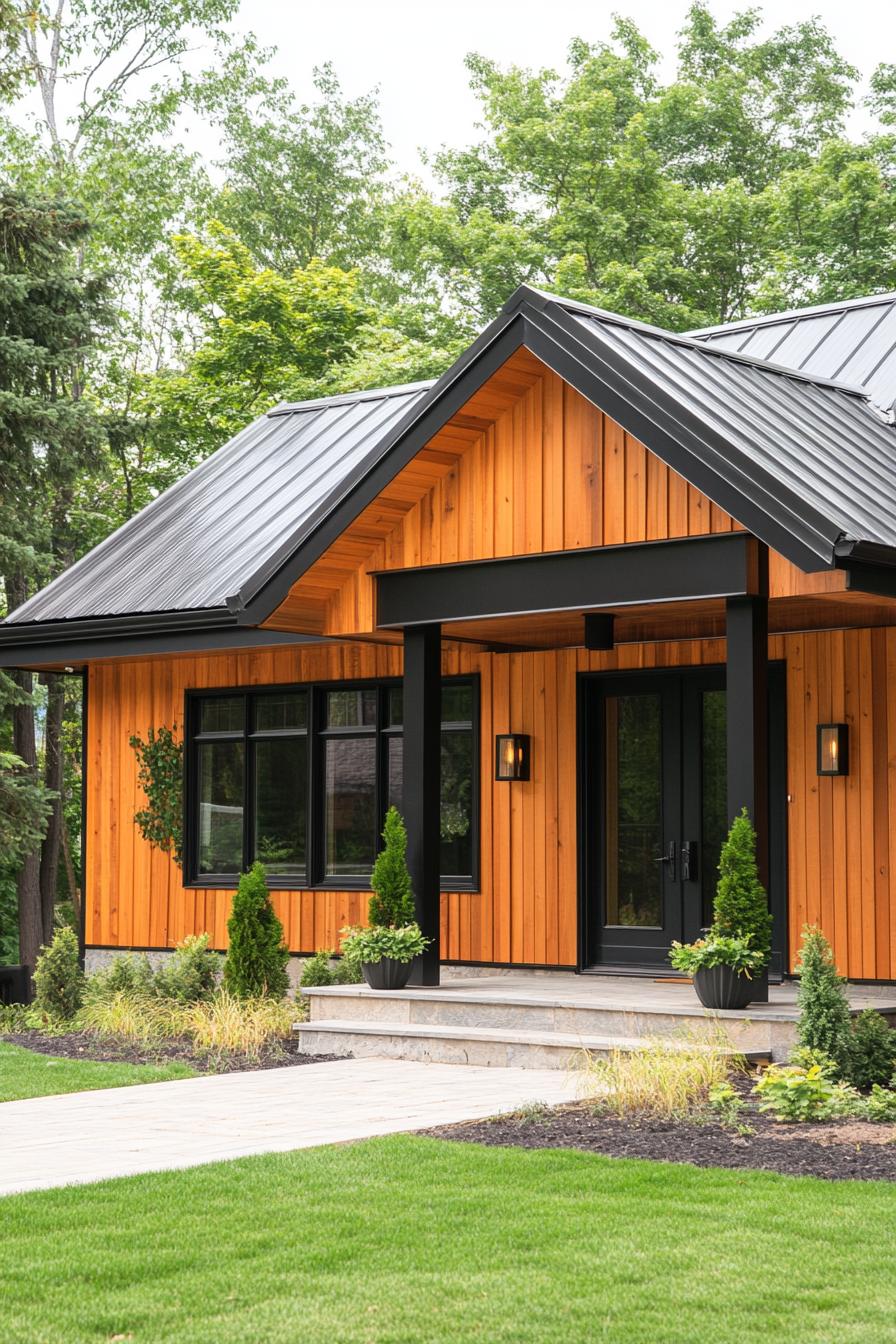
x: 805, y: 461
x: 854, y: 340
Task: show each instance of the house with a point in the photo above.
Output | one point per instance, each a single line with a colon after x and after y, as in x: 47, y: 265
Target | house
x: 572, y: 606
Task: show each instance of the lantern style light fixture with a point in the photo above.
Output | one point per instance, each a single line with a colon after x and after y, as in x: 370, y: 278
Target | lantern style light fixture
x: 512, y: 756
x: 833, y: 749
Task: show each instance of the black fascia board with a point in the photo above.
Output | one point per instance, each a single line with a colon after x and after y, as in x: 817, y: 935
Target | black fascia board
x: 713, y: 566
x: 77, y: 642
x: 758, y: 501
x: 266, y: 589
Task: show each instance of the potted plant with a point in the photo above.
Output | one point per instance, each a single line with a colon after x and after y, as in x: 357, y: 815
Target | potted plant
x: 730, y: 962
x: 387, y: 946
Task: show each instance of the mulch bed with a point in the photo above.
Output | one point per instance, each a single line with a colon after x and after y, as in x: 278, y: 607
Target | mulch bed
x: 117, y: 1050
x: 836, y: 1151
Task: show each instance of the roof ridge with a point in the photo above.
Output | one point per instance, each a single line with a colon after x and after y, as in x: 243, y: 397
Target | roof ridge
x: 790, y: 314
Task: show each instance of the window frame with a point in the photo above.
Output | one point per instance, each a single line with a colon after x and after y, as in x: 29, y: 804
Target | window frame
x: 316, y: 734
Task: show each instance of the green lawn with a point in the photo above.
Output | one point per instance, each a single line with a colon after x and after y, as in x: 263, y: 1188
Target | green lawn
x: 415, y: 1241
x: 25, y: 1073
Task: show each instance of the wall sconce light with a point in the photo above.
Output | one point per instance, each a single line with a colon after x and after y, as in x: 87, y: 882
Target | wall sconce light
x: 833, y: 749
x: 512, y: 756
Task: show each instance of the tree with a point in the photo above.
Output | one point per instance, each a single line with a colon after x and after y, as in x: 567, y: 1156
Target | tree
x: 392, y: 902
x: 825, y: 1022
x: 741, y: 905
x: 25, y: 806
x: 256, y: 960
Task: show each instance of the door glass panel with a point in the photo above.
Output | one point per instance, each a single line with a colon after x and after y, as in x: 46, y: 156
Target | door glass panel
x: 714, y: 803
x: 634, y: 810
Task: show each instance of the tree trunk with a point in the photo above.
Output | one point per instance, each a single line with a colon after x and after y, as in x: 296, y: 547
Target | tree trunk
x: 28, y: 882
x: 74, y: 891
x: 49, y: 854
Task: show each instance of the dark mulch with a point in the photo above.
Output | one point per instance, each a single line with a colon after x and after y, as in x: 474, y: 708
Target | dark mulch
x: 85, y: 1045
x: 846, y: 1150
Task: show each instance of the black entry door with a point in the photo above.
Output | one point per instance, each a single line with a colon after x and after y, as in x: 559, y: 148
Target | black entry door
x: 657, y: 756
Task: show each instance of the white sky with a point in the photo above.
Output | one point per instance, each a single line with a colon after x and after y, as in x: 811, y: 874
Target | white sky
x: 415, y: 51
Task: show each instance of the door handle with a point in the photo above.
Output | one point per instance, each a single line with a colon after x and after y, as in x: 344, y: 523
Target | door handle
x: 690, y: 867
x: 668, y: 857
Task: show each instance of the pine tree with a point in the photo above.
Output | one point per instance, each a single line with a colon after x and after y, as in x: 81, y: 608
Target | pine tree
x: 257, y: 956
x: 392, y: 902
x: 825, y: 1023
x: 741, y: 905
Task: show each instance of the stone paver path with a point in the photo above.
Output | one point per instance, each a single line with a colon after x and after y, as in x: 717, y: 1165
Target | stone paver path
x: 90, y: 1136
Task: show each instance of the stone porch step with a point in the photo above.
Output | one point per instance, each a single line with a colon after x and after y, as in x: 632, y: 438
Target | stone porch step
x: 484, y: 1046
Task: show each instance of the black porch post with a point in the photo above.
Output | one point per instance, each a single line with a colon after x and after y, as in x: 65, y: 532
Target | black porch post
x: 747, y: 713
x: 421, y: 789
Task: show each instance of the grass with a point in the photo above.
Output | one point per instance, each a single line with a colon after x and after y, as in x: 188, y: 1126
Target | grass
x: 222, y: 1023
x: 415, y: 1241
x: 669, y: 1076
x: 24, y: 1073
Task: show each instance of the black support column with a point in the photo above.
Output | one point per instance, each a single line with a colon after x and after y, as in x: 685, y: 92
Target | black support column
x: 421, y: 789
x: 747, y: 711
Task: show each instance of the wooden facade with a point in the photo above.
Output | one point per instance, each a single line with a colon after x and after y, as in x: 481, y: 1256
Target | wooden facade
x: 529, y: 466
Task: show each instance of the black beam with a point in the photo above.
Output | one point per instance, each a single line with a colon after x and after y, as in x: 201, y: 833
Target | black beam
x: 599, y: 636
x: 75, y: 651
x: 421, y: 786
x: 877, y: 580
x: 747, y: 715
x: 718, y: 565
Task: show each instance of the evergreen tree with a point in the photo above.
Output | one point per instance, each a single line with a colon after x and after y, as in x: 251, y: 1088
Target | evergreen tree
x: 392, y: 901
x: 741, y: 905
x: 825, y: 1023
x: 257, y: 956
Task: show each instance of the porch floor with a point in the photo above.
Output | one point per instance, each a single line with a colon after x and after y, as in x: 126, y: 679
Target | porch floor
x: 545, y: 1019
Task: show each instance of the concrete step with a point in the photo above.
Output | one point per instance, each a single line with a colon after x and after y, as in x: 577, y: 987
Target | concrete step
x: 484, y: 1046
x: 766, y: 1030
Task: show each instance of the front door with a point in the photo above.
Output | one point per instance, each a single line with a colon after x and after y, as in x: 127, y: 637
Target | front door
x: 656, y: 811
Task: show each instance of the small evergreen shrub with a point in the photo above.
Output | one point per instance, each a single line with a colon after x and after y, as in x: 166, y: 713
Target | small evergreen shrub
x: 58, y: 978
x: 825, y: 1022
x: 392, y: 902
x: 880, y: 1106
x: 256, y: 961
x: 741, y: 905
x: 317, y: 970
x: 872, y: 1051
x: 190, y: 974
x: 129, y: 973
x: 347, y: 970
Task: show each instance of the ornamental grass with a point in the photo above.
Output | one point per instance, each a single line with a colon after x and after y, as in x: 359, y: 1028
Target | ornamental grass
x: 666, y: 1076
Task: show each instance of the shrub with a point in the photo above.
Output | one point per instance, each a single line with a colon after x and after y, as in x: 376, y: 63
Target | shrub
x: 717, y: 950
x: 374, y: 943
x: 741, y: 905
x: 880, y: 1106
x: 256, y: 960
x: 347, y: 970
x: 58, y: 978
x: 804, y: 1058
x: 825, y: 1022
x: 872, y: 1050
x: 668, y: 1077
x: 317, y: 970
x: 128, y: 973
x: 392, y: 902
x: 794, y: 1094
x: 190, y: 974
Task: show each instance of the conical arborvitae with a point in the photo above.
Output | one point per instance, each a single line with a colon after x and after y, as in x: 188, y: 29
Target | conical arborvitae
x: 741, y: 905
x: 257, y: 956
x: 392, y: 902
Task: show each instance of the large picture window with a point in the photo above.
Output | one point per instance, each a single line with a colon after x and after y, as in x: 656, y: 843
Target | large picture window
x: 301, y: 777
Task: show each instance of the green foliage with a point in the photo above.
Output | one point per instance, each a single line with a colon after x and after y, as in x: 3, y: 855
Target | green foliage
x: 161, y: 777
x: 717, y: 950
x: 880, y: 1105
x: 58, y: 978
x: 372, y: 944
x: 725, y: 1103
x: 317, y: 970
x: 806, y: 1058
x: 825, y: 1022
x: 255, y: 965
x: 347, y: 970
x: 871, y: 1055
x: 127, y: 973
x: 392, y: 902
x: 741, y: 905
x: 190, y: 974
x: 793, y: 1094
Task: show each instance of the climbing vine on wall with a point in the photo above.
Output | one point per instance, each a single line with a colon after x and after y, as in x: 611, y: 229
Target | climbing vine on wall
x: 161, y: 777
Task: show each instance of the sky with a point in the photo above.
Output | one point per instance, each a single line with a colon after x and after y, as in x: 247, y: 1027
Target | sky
x: 414, y: 52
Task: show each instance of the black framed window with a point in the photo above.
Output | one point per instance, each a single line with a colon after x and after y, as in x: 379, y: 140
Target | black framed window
x: 301, y: 778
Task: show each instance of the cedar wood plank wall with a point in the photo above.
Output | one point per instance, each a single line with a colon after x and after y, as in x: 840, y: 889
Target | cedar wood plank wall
x: 550, y: 472
x: 841, y: 831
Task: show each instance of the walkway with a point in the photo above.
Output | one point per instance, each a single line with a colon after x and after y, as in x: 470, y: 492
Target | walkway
x: 90, y: 1136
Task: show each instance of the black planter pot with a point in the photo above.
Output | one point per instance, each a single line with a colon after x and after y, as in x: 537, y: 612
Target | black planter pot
x: 720, y: 987
x: 387, y: 973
